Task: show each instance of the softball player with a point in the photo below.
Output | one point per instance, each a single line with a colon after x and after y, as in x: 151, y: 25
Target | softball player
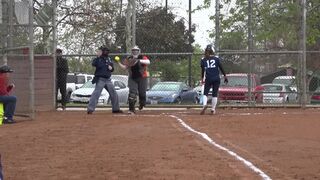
x: 210, y: 76
x: 136, y: 64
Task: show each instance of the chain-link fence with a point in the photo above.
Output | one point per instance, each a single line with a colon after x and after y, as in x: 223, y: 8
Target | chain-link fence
x: 269, y: 79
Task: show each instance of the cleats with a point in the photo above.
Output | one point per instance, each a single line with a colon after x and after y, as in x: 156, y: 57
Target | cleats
x: 131, y: 113
x: 203, y: 110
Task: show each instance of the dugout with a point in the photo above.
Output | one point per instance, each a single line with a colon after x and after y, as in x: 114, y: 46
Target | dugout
x: 43, y: 82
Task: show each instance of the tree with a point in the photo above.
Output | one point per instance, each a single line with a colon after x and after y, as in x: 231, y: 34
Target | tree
x: 85, y: 25
x: 157, y: 32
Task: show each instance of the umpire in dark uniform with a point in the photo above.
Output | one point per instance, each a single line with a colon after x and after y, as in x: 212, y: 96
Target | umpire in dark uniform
x: 104, y: 68
x: 62, y: 70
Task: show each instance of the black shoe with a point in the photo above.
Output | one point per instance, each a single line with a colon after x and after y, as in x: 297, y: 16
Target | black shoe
x: 89, y: 112
x: 118, y: 111
x: 9, y: 121
x: 140, y: 107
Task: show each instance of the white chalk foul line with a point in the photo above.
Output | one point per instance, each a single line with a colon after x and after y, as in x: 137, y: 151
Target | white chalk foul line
x: 206, y: 137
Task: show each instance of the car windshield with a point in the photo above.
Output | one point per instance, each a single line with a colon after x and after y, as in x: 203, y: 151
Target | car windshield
x: 236, y: 81
x: 88, y: 85
x: 81, y: 79
x: 272, y: 88
x: 166, y: 87
x: 283, y: 81
x: 71, y: 78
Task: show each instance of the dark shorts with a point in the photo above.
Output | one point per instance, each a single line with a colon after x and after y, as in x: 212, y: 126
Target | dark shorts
x: 214, y: 84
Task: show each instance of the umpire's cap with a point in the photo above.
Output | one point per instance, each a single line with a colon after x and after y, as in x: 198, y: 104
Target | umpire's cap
x: 105, y: 51
x: 5, y: 69
x: 59, y: 51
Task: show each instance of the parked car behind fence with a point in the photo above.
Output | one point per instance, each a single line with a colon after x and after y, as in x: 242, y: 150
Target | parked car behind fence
x: 237, y: 89
x: 315, y: 98
x: 171, y: 92
x: 83, y: 94
x: 278, y: 93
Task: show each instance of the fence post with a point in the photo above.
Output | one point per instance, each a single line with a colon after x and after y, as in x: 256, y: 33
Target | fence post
x: 250, y: 46
x: 31, y: 58
x: 303, y: 54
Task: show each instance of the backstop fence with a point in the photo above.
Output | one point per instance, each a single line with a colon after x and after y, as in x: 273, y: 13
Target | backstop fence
x: 269, y: 79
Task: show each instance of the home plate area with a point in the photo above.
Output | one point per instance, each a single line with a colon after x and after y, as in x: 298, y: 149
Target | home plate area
x: 279, y: 143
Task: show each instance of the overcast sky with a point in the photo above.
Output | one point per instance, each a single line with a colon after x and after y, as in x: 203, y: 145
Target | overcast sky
x: 199, y: 18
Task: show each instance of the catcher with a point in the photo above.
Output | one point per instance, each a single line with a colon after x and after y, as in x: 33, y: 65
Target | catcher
x: 136, y: 64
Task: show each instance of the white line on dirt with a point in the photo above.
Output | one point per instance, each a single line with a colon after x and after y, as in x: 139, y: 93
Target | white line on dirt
x: 206, y: 137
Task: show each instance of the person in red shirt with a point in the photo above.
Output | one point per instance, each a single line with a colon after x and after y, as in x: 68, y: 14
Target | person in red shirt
x: 8, y: 101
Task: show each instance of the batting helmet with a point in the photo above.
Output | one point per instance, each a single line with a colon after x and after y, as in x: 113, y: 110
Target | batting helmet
x: 210, y: 49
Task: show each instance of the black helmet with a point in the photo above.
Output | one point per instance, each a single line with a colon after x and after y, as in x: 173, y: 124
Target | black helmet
x: 5, y: 69
x: 210, y: 49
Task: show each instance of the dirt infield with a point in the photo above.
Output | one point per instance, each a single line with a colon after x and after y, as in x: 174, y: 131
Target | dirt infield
x: 282, y: 143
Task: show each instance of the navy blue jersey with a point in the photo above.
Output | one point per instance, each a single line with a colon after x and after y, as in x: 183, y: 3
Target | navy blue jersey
x: 211, y: 68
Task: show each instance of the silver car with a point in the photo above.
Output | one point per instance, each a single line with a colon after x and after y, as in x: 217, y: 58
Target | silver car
x: 278, y: 93
x: 83, y: 94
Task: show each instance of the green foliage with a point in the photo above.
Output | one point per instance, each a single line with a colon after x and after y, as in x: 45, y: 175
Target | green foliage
x: 157, y: 31
x: 80, y: 65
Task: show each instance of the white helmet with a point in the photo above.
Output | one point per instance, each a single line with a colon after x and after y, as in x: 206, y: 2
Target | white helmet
x: 135, y: 51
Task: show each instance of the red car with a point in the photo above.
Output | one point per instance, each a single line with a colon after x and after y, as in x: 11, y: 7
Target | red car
x: 315, y: 98
x: 237, y: 88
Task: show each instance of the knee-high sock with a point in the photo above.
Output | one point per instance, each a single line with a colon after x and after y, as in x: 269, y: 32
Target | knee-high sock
x: 214, y: 103
x: 204, y: 99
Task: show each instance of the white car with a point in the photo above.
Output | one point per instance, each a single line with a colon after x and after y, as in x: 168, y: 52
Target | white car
x: 278, y: 93
x: 122, y: 78
x: 83, y: 94
x: 82, y: 79
x: 287, y: 80
x: 75, y: 81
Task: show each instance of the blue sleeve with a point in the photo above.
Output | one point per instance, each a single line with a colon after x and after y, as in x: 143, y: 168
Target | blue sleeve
x: 220, y: 67
x: 95, y: 62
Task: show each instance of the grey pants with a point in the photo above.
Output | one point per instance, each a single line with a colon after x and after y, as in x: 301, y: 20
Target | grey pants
x: 137, y: 87
x: 107, y: 84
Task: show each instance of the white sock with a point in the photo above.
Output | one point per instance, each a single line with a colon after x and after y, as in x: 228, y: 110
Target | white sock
x: 214, y: 103
x: 205, y: 100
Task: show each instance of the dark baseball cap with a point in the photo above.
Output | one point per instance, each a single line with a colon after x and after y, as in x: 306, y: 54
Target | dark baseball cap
x: 5, y: 69
x: 59, y: 50
x: 103, y: 48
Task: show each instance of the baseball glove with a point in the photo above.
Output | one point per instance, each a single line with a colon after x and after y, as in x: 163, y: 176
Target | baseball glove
x: 130, y: 62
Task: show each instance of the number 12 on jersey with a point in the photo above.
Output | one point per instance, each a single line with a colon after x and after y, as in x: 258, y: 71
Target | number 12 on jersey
x: 211, y: 63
